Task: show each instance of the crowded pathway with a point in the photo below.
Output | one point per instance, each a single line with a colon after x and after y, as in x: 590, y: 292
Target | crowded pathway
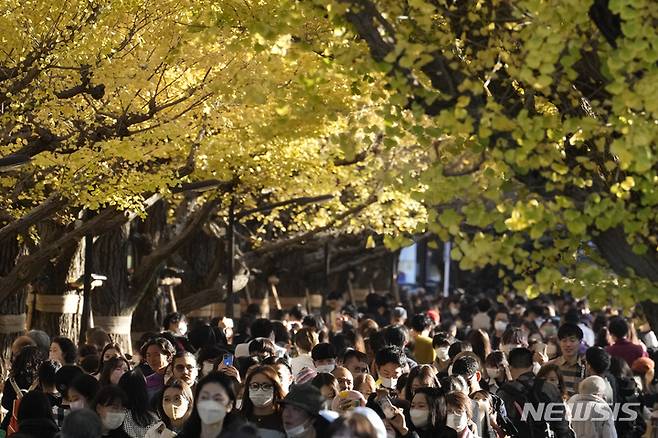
x: 462, y: 367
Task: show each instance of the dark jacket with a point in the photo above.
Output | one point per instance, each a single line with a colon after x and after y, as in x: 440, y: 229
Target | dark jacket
x: 38, y: 427
x: 529, y: 389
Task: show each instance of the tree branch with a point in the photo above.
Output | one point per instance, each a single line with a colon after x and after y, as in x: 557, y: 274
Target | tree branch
x: 45, y: 210
x: 149, y: 264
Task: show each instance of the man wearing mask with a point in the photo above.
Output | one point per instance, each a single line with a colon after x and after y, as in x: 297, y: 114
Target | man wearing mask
x: 441, y: 344
x: 324, y: 357
x: 500, y: 325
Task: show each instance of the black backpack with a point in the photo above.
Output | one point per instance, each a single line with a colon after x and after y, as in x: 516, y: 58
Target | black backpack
x: 629, y: 393
x: 521, y: 394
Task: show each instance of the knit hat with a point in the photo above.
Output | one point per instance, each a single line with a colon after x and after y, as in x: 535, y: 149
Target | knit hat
x: 305, y: 375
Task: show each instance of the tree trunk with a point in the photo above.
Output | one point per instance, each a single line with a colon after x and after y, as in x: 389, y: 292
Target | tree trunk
x: 55, y: 281
x: 111, y: 252
x: 10, y: 250
x: 615, y: 249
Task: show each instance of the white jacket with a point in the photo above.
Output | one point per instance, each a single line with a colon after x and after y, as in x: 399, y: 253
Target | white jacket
x: 591, y: 417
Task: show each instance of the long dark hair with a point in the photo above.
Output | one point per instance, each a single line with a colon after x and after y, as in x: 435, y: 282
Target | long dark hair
x: 247, y: 409
x: 111, y: 365
x: 193, y: 425
x: 101, y: 361
x: 133, y: 384
x: 419, y: 372
x: 26, y: 364
x: 436, y: 401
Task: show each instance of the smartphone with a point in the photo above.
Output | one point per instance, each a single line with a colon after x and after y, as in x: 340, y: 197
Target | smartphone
x: 387, y: 407
x: 228, y: 360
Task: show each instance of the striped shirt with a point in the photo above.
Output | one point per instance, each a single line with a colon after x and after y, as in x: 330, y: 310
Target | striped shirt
x: 572, y: 374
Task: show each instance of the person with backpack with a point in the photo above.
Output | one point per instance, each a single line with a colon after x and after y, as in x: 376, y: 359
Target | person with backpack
x: 627, y: 393
x: 23, y: 378
x: 526, y: 389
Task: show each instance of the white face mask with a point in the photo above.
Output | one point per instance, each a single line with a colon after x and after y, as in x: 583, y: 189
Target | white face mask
x: 182, y: 328
x: 493, y: 373
x: 261, y: 397
x: 210, y: 411
x: 296, y: 431
x: 420, y: 417
x: 551, y: 350
x: 78, y: 404
x: 500, y: 326
x: 325, y: 368
x: 176, y: 412
x: 389, y: 383
x: 454, y: 311
x: 442, y: 353
x: 113, y: 420
x: 457, y: 422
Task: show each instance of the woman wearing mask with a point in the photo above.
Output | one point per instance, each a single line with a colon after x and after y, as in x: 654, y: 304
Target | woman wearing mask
x: 552, y: 374
x: 262, y: 392
x: 110, y: 405
x: 82, y: 391
x: 174, y: 406
x: 112, y: 371
x: 501, y: 321
x: 283, y: 370
x: 109, y: 351
x: 497, y: 370
x: 139, y: 418
x: 428, y: 414
x: 459, y: 414
x: 214, y: 404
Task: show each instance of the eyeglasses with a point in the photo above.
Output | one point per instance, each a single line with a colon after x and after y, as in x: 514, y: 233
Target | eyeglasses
x: 260, y: 386
x: 344, y: 381
x: 180, y: 367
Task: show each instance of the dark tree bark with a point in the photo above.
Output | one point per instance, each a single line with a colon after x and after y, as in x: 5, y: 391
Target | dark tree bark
x: 56, y: 279
x: 614, y: 247
x: 10, y: 250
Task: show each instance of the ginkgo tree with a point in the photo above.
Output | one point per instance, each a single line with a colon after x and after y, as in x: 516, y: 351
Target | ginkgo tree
x: 540, y: 121
x: 149, y: 119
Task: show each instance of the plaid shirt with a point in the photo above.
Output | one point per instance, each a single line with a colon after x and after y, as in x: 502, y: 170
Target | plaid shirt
x: 572, y: 374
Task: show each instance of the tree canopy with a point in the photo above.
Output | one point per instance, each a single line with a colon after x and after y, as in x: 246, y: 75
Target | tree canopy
x: 525, y: 131
x: 540, y: 119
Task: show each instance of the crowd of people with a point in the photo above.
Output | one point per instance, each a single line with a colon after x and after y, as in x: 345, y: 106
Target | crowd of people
x: 462, y: 366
